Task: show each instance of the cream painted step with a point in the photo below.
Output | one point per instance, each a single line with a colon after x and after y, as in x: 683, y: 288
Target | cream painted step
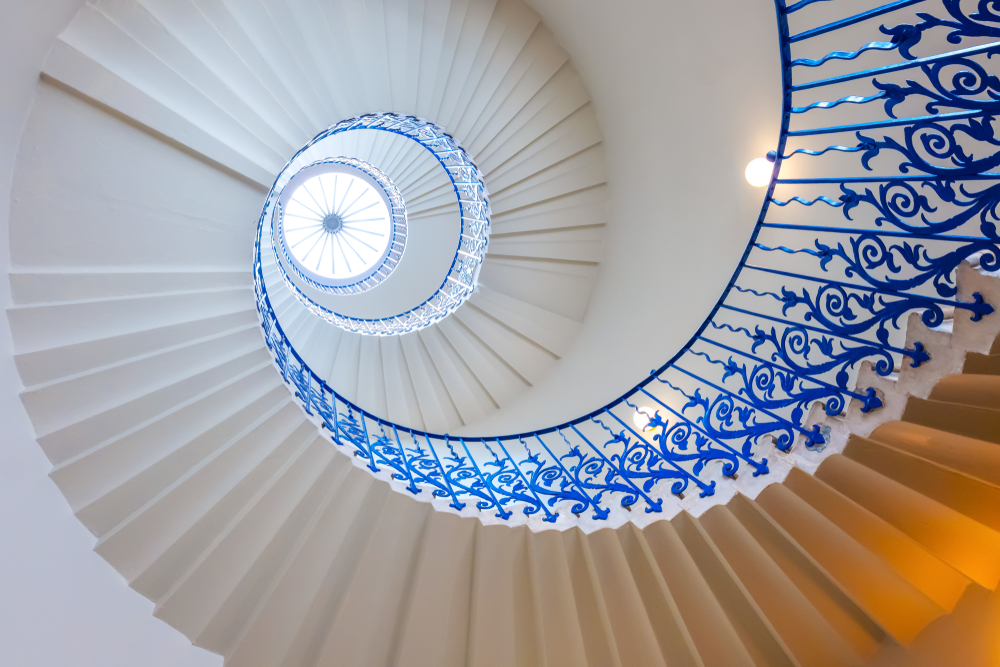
x: 968, y: 546
x: 887, y: 599
x: 502, y: 627
x: 63, y: 402
x: 245, y: 555
x: 436, y: 628
x: 375, y: 602
x: 139, y: 412
x: 933, y: 577
x: 963, y: 493
x: 150, y: 530
x: 972, y: 457
x: 138, y: 460
x: 42, y: 326
x: 810, y: 638
x: 53, y: 364
x: 756, y: 633
x: 286, y: 624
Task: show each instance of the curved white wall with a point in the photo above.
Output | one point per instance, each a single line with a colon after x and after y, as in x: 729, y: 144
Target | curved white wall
x: 686, y: 94
x: 60, y: 604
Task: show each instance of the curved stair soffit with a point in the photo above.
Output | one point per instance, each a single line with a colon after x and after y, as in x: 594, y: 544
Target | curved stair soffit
x: 179, y: 447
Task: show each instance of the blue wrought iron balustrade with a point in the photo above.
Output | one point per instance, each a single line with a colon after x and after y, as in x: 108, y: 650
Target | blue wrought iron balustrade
x: 886, y: 178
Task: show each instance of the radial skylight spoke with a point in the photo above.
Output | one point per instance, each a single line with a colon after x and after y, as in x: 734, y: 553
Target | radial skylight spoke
x: 322, y: 191
x: 363, y: 231
x: 319, y: 216
x: 345, y: 212
x: 306, y: 238
x: 313, y: 197
x: 342, y: 253
x: 319, y: 260
x: 347, y: 233
x: 362, y: 209
x: 355, y: 222
x: 347, y: 242
x: 309, y: 252
x: 344, y: 198
x: 304, y: 217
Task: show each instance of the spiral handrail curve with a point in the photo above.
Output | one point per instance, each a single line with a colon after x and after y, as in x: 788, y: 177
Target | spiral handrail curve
x: 802, y: 310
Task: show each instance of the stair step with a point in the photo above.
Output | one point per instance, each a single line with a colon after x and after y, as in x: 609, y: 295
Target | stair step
x: 114, y: 422
x: 599, y: 642
x: 858, y: 631
x: 969, y: 496
x: 717, y: 641
x: 289, y: 623
x: 71, y: 400
x: 981, y: 364
x: 971, y: 457
x: 502, y: 626
x: 966, y: 545
x: 634, y: 636
x: 969, y: 421
x: 898, y: 607
x: 436, y: 628
x: 660, y: 607
x: 756, y: 633
x: 52, y: 364
x: 376, y: 599
x: 801, y: 626
x: 194, y: 506
x: 191, y: 592
x: 237, y: 608
x: 141, y: 463
x: 935, y: 578
x: 560, y: 635
x: 981, y: 391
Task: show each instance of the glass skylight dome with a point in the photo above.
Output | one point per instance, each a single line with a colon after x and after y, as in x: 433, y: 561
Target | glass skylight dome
x: 343, y: 226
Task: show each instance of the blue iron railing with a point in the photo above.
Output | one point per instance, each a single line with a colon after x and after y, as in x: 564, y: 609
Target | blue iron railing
x: 863, y: 231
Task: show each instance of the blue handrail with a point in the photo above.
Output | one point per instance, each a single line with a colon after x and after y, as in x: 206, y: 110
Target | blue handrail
x: 908, y: 190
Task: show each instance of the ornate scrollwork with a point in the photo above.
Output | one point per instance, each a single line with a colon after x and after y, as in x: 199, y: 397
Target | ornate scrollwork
x: 962, y: 26
x: 940, y: 143
x: 834, y: 307
x: 667, y: 457
x: 716, y: 417
x: 900, y: 205
x: 794, y: 346
x: 965, y: 85
x: 869, y: 253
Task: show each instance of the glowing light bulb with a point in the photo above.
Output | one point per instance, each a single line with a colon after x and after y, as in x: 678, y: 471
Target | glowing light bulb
x: 641, y: 418
x: 758, y: 172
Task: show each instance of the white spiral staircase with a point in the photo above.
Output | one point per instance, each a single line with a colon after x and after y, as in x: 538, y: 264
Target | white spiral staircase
x: 244, y: 85
x: 156, y: 129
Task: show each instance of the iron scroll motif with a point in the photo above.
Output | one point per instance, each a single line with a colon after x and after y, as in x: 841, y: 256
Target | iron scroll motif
x: 893, y: 206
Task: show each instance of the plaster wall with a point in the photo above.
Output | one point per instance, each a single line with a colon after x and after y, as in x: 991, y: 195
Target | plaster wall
x: 686, y: 94
x: 60, y: 604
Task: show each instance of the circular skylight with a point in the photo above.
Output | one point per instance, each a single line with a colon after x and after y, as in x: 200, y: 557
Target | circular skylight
x: 337, y: 226
x: 343, y: 225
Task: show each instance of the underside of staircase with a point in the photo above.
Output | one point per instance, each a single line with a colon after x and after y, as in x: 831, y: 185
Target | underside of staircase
x: 208, y: 488
x: 180, y: 447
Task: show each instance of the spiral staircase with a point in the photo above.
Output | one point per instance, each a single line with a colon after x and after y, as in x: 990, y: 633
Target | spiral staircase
x: 320, y: 496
